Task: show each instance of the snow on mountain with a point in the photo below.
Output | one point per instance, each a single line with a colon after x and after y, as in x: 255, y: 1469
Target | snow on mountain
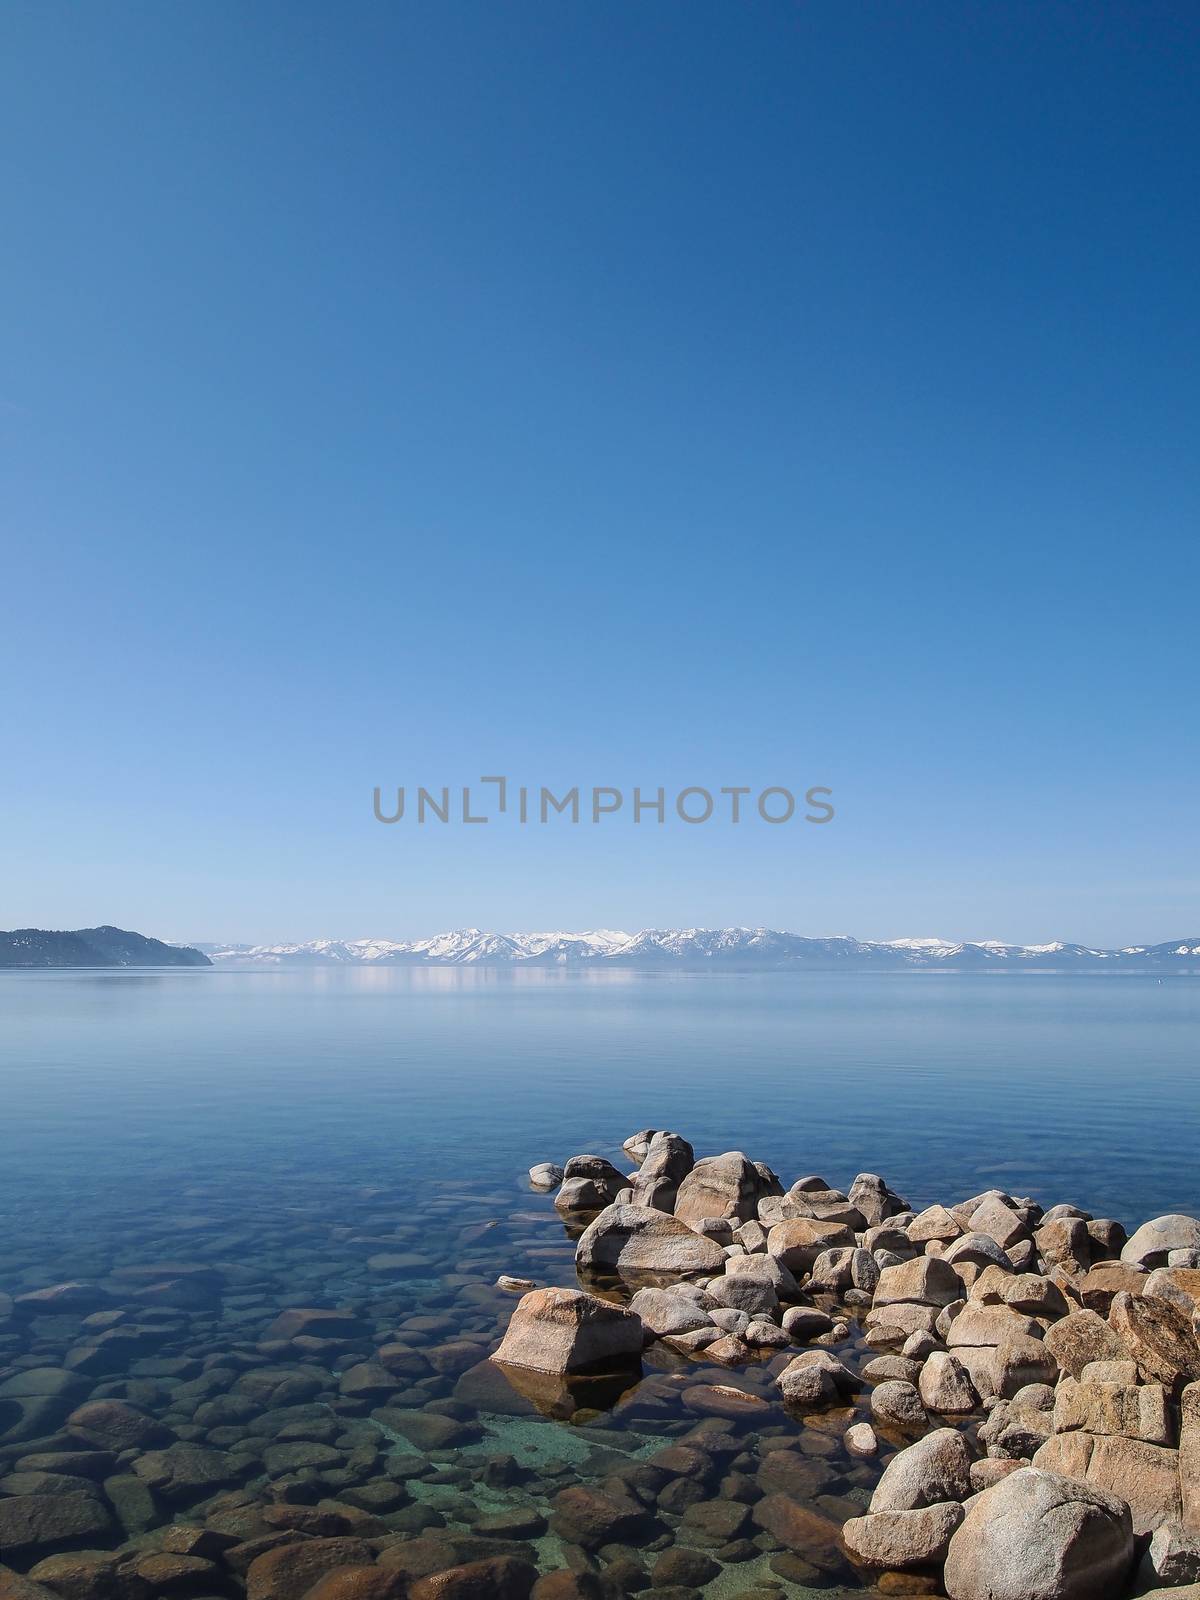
x: 700, y: 947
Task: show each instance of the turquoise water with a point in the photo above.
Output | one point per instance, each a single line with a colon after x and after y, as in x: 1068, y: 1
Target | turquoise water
x: 359, y: 1140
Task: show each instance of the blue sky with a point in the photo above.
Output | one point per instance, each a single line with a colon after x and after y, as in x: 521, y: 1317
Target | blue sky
x: 677, y: 394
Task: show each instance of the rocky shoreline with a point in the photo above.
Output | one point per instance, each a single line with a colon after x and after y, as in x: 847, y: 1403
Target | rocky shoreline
x: 1037, y: 1383
x: 682, y: 1381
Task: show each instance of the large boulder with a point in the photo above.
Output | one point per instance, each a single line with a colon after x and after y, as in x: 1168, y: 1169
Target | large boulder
x: 798, y: 1242
x: 872, y: 1196
x: 667, y: 1162
x: 1145, y: 1476
x: 34, y: 1523
x: 1189, y: 1456
x: 565, y: 1330
x: 1038, y: 1536
x: 727, y: 1185
x: 1081, y: 1338
x: 899, y: 1539
x: 589, y: 1184
x: 925, y: 1281
x: 1159, y: 1336
x: 1154, y: 1240
x: 680, y: 1309
x: 630, y: 1240
x: 936, y: 1468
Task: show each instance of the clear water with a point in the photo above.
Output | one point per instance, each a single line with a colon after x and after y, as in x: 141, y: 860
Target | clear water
x: 293, y: 1129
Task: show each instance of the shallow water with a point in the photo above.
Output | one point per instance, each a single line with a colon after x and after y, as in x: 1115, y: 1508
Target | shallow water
x: 359, y: 1140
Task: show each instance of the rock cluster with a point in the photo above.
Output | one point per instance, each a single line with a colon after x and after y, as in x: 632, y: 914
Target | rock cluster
x: 341, y: 1399
x: 1035, y: 1372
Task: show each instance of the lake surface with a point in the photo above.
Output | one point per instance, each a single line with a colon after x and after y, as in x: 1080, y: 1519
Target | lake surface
x: 208, y: 1148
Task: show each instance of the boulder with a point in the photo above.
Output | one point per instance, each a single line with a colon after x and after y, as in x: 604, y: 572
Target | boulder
x: 797, y: 1243
x: 637, y: 1239
x: 546, y: 1175
x: 292, y: 1569
x: 1038, y: 1536
x: 1155, y: 1240
x: 1081, y: 1338
x: 871, y: 1195
x: 503, y: 1577
x: 925, y: 1280
x: 1173, y: 1556
x: 936, y: 1468
x: 667, y: 1161
x: 814, y: 1378
x: 1189, y: 1456
x: 945, y: 1385
x: 1180, y: 1284
x: 584, y: 1193
x: 592, y: 1515
x: 34, y: 1523
x: 1000, y: 1222
x: 1065, y: 1243
x: 1145, y: 1476
x: 675, y: 1310
x: 934, y: 1223
x: 115, y: 1425
x: 637, y: 1144
x: 565, y: 1330
x: 900, y: 1539
x: 1127, y: 1410
x: 1160, y: 1338
x: 896, y: 1404
x: 727, y: 1185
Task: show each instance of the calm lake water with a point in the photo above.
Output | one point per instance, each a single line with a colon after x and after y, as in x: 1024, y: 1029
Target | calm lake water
x: 203, y: 1150
x: 1079, y: 1089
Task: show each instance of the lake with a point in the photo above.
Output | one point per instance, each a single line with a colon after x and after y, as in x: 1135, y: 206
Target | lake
x: 203, y: 1149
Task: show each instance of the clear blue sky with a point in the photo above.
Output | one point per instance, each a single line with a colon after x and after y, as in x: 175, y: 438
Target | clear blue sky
x: 600, y: 393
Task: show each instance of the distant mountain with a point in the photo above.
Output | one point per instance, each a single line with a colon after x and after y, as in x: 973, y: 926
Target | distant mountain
x: 696, y: 948
x: 93, y: 947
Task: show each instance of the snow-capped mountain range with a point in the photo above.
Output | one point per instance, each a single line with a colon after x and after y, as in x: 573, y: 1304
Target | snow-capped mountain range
x: 703, y: 947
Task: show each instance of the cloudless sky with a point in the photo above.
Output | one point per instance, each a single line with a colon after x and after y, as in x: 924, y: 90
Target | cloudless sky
x: 604, y: 393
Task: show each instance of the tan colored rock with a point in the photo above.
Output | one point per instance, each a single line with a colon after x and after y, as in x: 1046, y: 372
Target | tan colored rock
x: 1039, y: 1536
x: 798, y: 1527
x: 727, y: 1185
x: 900, y: 1539
x: 797, y: 1243
x: 1020, y: 1360
x: 945, y: 1385
x: 987, y: 1325
x: 292, y: 1569
x: 1065, y: 1243
x: 637, y: 1240
x: 1083, y: 1337
x: 936, y: 1468
x: 1180, y: 1284
x: 935, y: 1222
x: 565, y: 1330
x: 1189, y: 1456
x: 896, y: 1404
x: 1145, y: 1476
x: 1000, y: 1222
x: 905, y: 1317
x: 1130, y: 1411
x: 1154, y: 1240
x: 925, y: 1280
x: 1160, y: 1338
x: 1034, y: 1296
x: 1107, y: 1279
